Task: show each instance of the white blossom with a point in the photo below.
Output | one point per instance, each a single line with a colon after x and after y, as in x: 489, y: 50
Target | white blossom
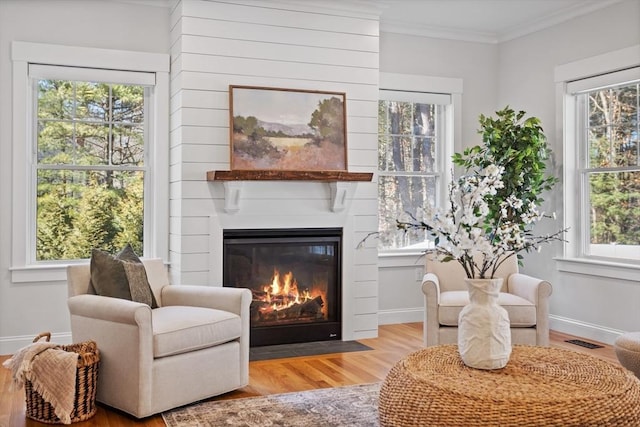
x: 462, y: 228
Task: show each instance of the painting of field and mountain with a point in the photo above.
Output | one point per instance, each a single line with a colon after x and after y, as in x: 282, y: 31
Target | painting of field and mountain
x: 287, y: 130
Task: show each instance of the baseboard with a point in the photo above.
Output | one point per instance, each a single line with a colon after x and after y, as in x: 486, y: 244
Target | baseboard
x: 10, y: 345
x: 584, y: 329
x: 407, y: 315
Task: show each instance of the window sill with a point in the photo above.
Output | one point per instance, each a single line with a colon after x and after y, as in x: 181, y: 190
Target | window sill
x: 590, y: 267
x: 39, y: 273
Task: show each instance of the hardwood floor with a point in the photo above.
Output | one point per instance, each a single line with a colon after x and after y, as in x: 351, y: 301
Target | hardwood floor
x: 285, y: 375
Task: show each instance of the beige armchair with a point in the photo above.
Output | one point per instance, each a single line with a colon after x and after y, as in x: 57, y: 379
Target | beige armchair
x: 525, y: 298
x: 193, y: 346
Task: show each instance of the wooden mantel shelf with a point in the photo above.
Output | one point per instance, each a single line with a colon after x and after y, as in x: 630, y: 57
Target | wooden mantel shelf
x: 324, y: 176
x: 340, y: 184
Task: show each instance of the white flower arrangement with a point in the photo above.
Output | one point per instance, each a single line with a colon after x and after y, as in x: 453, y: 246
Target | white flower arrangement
x: 467, y: 233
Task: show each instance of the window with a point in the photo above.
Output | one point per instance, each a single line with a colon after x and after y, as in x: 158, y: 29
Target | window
x: 89, y: 153
x: 89, y: 145
x: 611, y: 170
x: 607, y: 129
x: 415, y: 142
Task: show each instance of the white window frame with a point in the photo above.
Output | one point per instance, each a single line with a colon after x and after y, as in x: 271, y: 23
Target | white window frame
x: 24, y: 268
x: 451, y: 87
x: 569, y: 78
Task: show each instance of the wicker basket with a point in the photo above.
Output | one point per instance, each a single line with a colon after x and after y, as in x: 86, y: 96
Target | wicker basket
x: 84, y: 405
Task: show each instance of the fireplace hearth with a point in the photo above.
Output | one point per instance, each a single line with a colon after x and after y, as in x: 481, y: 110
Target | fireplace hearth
x: 295, y: 278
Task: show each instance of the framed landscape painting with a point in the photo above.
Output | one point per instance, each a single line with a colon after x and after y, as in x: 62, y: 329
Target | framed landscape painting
x: 287, y: 129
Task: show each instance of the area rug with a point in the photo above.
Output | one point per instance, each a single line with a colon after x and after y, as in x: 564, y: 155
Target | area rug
x: 347, y: 406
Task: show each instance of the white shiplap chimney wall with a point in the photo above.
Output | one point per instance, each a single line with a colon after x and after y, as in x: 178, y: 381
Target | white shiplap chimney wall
x: 311, y: 45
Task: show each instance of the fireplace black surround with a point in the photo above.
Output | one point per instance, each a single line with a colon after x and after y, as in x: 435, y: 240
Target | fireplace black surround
x: 295, y: 278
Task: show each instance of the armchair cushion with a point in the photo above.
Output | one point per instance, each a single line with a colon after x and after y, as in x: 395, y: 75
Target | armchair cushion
x: 522, y: 313
x: 182, y: 329
x: 120, y: 276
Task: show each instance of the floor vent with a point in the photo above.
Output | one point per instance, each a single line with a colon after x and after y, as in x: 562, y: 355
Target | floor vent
x: 584, y: 344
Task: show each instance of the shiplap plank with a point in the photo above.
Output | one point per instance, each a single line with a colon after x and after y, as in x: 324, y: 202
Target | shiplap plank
x: 281, y: 35
x: 366, y: 190
x: 284, y: 52
x: 192, y: 262
x: 175, y: 155
x: 191, y: 243
x: 361, y: 108
x: 258, y: 14
x: 219, y: 100
x: 203, y: 135
x: 269, y: 192
x: 189, y: 80
x: 363, y: 125
x: 196, y: 171
x: 191, y: 171
x: 198, y: 278
x: 277, y: 68
x: 364, y: 223
x: 220, y: 118
x: 362, y: 10
x: 364, y: 158
x: 199, y: 153
x: 204, y: 117
x: 205, y: 99
x: 301, y: 206
x: 174, y: 19
x: 366, y: 272
x: 362, y: 141
x: 189, y: 226
x: 366, y: 289
x: 365, y: 322
x: 368, y: 252
x: 365, y: 304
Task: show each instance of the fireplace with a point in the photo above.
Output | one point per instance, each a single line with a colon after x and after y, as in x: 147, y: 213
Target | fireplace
x: 295, y: 278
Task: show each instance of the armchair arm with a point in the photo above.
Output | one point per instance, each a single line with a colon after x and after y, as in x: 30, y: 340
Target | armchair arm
x: 431, y: 326
x: 123, y: 331
x: 529, y: 288
x: 431, y: 286
x: 110, y: 309
x: 233, y: 300
x: 537, y: 291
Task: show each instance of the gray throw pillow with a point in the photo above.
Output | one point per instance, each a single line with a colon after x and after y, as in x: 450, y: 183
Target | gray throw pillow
x: 121, y: 276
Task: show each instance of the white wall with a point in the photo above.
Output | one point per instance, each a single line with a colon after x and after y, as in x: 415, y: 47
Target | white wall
x: 29, y: 308
x: 591, y: 306
x: 475, y: 63
x: 401, y: 298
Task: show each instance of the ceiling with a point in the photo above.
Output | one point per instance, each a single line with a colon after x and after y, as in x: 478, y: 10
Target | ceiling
x: 488, y: 21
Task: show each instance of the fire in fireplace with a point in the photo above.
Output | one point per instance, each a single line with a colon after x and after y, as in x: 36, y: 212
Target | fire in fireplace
x: 295, y: 278
x: 281, y: 301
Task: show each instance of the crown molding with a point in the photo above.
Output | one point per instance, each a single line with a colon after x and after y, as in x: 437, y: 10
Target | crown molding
x: 453, y: 33
x: 402, y: 27
x: 555, y: 18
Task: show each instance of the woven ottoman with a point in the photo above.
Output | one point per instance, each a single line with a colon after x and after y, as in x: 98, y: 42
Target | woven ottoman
x: 627, y: 348
x: 539, y: 387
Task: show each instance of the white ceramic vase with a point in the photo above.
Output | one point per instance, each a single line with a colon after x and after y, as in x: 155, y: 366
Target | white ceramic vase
x: 484, y: 335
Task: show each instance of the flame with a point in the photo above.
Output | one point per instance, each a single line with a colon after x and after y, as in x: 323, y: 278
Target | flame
x: 282, y: 292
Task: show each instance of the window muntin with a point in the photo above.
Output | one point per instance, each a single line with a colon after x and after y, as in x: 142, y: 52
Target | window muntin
x: 90, y: 168
x: 411, y: 135
x: 609, y: 170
